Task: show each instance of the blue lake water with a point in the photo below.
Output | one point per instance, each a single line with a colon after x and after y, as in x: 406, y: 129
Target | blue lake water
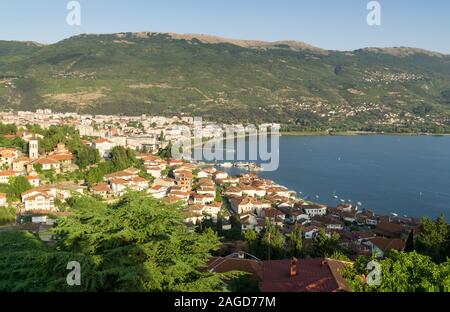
x: 408, y: 175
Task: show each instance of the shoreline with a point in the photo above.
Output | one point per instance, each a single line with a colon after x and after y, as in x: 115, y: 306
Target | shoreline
x: 358, y: 133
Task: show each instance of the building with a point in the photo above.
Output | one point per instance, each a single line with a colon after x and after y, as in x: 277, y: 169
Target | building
x: 104, y: 146
x: 42, y: 199
x: 102, y: 190
x: 315, y: 210
x: 33, y: 148
x: 62, y: 155
x: 158, y: 191
x: 5, y: 175
x: 19, y: 164
x: 7, y: 156
x: 303, y: 275
x: 47, y: 164
x: 34, y: 181
x: 381, y: 245
x: 242, y: 205
x: 3, y: 200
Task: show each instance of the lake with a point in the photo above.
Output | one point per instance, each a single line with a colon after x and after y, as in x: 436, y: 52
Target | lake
x: 407, y: 175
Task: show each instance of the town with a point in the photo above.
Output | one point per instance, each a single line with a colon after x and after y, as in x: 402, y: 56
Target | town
x: 48, y: 158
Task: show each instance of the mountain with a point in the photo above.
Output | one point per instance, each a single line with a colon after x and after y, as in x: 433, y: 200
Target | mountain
x: 293, y: 83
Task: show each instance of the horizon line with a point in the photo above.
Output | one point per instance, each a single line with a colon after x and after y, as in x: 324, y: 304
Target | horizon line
x: 227, y: 38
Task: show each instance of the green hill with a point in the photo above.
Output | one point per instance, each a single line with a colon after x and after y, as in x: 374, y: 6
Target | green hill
x: 300, y: 86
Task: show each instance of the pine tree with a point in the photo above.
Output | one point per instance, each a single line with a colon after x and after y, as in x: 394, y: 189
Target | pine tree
x: 297, y: 242
x: 409, y: 246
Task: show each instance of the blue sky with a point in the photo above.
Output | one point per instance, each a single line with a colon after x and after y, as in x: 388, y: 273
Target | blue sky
x: 330, y: 24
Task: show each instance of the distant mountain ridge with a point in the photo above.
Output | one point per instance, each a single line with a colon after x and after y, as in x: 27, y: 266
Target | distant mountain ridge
x: 291, y: 82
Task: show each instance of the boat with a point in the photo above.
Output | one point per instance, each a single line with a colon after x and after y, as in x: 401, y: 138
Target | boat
x: 359, y: 203
x: 394, y: 214
x: 254, y: 167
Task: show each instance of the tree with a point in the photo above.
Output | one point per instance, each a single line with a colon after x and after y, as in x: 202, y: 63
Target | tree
x: 434, y: 238
x: 166, y: 153
x: 324, y: 246
x: 17, y: 185
x: 38, y: 168
x: 252, y: 242
x: 409, y: 245
x: 138, y: 244
x: 401, y: 272
x: 7, y: 215
x: 85, y: 156
x: 123, y: 158
x: 141, y: 245
x: 297, y: 242
x: 28, y: 265
x: 236, y: 229
x: 96, y: 174
x: 272, y: 242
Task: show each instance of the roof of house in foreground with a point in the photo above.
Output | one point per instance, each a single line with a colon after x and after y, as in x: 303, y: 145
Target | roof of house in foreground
x: 313, y: 275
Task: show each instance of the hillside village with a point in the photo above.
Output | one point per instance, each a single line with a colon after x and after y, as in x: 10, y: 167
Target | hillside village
x: 206, y: 194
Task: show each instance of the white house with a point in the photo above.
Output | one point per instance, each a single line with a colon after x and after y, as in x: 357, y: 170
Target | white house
x: 7, y: 156
x: 158, y: 191
x: 5, y: 175
x: 253, y: 191
x: 39, y: 202
x: 104, y: 146
x: 48, y: 164
x: 203, y: 199
x: 310, y: 231
x: 138, y: 184
x: 248, y: 222
x: 247, y: 205
x: 34, y: 181
x: 207, y: 190
x: 3, y: 200
x: 202, y: 174
x: 213, y: 209
x: 39, y: 199
x: 119, y: 186
x: 220, y: 175
x: 315, y: 210
x: 155, y: 171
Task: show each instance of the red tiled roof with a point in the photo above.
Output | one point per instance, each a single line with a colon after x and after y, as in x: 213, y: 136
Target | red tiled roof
x: 386, y: 244
x: 102, y: 140
x: 224, y: 265
x: 7, y: 173
x: 61, y: 157
x: 101, y: 187
x: 314, y: 275
x: 46, y: 161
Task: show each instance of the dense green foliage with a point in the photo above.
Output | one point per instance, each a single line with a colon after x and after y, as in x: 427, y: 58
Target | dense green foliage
x: 27, y: 264
x: 296, y: 242
x: 121, y: 158
x: 15, y: 142
x: 434, y: 239
x: 402, y: 272
x: 155, y: 73
x: 325, y: 246
x: 138, y: 244
x: 16, y: 186
x: 7, y: 215
x: 268, y: 245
